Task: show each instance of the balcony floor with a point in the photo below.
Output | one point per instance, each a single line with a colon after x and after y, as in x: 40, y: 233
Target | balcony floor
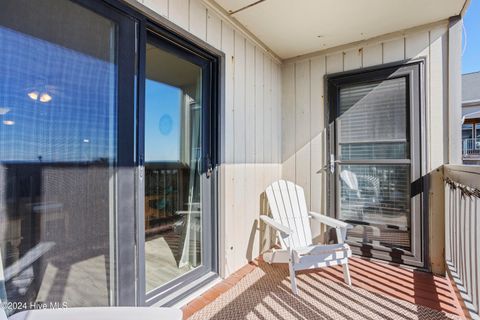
x: 379, y: 291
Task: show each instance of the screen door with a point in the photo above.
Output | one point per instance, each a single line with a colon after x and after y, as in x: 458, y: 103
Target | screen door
x: 375, y: 161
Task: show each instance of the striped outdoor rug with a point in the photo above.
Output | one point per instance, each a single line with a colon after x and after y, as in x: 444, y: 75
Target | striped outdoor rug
x: 265, y: 293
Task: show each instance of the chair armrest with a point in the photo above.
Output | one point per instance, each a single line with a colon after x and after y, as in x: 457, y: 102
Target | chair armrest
x: 274, y: 224
x: 330, y: 221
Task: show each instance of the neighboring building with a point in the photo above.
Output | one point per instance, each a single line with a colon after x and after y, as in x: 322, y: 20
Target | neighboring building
x: 471, y: 118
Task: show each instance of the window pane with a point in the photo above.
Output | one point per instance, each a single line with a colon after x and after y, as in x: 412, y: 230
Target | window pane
x: 173, y: 215
x: 467, y: 131
x: 373, y: 112
x: 377, y: 195
x: 372, y: 127
x: 57, y: 152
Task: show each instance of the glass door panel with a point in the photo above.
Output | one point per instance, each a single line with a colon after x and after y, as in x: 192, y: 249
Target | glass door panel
x: 374, y: 174
x: 375, y: 161
x: 58, y: 152
x: 172, y: 151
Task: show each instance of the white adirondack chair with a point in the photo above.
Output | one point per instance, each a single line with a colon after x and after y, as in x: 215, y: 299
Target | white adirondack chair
x: 291, y: 220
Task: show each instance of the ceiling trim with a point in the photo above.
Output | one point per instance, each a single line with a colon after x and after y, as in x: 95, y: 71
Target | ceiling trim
x: 465, y: 7
x: 366, y: 42
x: 211, y: 4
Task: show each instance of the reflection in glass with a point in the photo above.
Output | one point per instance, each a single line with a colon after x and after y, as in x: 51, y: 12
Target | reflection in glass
x: 374, y: 193
x: 57, y: 153
x: 172, y: 178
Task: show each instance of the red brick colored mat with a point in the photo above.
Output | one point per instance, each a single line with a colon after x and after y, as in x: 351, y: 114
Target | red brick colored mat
x: 379, y: 291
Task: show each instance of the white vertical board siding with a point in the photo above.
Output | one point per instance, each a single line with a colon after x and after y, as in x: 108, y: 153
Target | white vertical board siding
x: 239, y: 68
x: 277, y: 114
x: 302, y: 125
x: 259, y: 112
x: 429, y: 43
x: 334, y: 63
x: 352, y: 59
x: 228, y: 39
x: 179, y: 12
x: 267, y: 109
x: 214, y: 30
x: 250, y: 103
x: 317, y: 138
x: 438, y: 98
x: 372, y: 55
x: 251, y: 142
x: 159, y: 6
x: 198, y: 19
x: 394, y: 50
x: 288, y: 122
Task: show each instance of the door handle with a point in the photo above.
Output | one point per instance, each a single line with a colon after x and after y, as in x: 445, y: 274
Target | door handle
x: 209, y: 167
x: 330, y: 165
x: 141, y: 167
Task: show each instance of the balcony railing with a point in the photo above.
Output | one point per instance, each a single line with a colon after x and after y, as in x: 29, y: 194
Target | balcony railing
x: 471, y: 148
x: 462, y: 231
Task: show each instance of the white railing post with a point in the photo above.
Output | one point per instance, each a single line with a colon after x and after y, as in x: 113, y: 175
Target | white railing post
x: 462, y: 231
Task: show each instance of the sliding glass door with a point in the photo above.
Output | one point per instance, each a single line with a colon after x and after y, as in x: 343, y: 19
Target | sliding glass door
x: 107, y: 148
x: 62, y: 100
x: 174, y: 183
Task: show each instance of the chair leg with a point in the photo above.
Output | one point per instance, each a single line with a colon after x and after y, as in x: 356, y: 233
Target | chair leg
x: 346, y: 274
x: 293, y: 281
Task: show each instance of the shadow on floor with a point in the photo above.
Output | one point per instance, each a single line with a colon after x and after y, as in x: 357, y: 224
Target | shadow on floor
x: 379, y: 291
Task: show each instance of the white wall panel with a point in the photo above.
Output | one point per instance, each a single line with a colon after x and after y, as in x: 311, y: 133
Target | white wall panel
x: 372, y: 55
x: 198, y: 19
x: 276, y: 112
x: 438, y: 98
x: 267, y: 109
x: 352, y: 59
x: 414, y: 44
x: 239, y: 99
x: 252, y: 122
x: 317, y: 136
x: 259, y: 112
x: 302, y: 125
x: 179, y: 13
x: 228, y: 36
x: 159, y: 6
x: 417, y: 45
x: 334, y: 63
x: 394, y: 50
x: 250, y: 103
x: 214, y: 30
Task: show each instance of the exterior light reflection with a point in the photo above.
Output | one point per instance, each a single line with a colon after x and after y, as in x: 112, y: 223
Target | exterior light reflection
x: 33, y: 95
x: 45, y: 97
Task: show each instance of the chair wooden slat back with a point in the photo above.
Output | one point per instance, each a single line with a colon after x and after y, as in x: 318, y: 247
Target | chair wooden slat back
x: 289, y: 208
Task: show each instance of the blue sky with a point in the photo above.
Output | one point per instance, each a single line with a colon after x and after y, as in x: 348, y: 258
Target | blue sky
x: 471, y: 56
x: 77, y: 124
x: 162, y: 122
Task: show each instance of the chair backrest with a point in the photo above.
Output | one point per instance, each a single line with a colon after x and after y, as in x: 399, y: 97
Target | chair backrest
x: 350, y: 179
x: 288, y: 206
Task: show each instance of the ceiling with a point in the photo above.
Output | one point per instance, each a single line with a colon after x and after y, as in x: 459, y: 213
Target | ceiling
x: 167, y: 68
x: 294, y: 27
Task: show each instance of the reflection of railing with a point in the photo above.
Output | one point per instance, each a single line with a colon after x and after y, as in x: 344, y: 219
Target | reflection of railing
x: 165, y: 193
x: 462, y: 231
x: 471, y: 148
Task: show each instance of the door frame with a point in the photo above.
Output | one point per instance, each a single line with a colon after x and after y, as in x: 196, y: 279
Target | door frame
x: 178, y: 288
x: 414, y: 70
x: 128, y: 225
x: 122, y: 256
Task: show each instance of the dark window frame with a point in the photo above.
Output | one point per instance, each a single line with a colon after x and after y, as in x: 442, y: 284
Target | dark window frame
x: 414, y: 71
x: 129, y: 226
